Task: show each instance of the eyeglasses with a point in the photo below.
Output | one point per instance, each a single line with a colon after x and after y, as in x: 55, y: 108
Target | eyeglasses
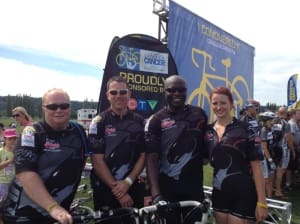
x: 120, y: 92
x: 54, y: 106
x: 173, y: 90
x: 15, y: 115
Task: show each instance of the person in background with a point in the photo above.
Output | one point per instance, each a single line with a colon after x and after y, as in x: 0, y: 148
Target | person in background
x: 117, y: 144
x: 283, y: 148
x: 21, y: 116
x: 250, y: 116
x: 1, y: 134
x: 293, y: 163
x: 238, y: 194
x: 49, y: 159
x: 175, y: 148
x: 7, y: 168
x: 267, y: 145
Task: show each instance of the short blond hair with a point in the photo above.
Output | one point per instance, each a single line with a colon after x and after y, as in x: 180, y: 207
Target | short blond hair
x: 23, y: 111
x: 59, y: 90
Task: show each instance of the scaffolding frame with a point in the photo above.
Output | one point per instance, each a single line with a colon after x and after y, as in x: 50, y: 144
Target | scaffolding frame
x: 161, y: 9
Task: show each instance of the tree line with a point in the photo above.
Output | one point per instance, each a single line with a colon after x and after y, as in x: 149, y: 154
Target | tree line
x: 33, y: 105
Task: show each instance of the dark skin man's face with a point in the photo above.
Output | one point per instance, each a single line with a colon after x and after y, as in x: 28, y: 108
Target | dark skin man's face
x: 175, y: 93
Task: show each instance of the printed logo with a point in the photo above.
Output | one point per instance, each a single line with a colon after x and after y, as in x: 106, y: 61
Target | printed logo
x: 27, y: 140
x: 167, y: 123
x: 209, y: 136
x: 51, y: 145
x: 152, y: 104
x: 93, y: 128
x: 152, y: 61
x: 128, y: 58
x: 142, y: 105
x: 132, y: 104
x: 110, y: 131
x: 27, y: 137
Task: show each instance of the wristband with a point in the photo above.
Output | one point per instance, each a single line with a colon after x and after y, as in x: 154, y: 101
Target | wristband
x: 128, y: 181
x: 51, y: 207
x: 261, y: 205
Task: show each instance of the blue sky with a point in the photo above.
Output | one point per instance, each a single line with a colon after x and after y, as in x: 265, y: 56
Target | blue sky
x: 60, y: 43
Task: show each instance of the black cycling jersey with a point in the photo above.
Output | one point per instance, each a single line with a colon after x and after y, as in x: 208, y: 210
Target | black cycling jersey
x: 58, y: 158
x: 179, y: 139
x: 234, y: 151
x: 254, y: 123
x: 120, y: 139
x: 230, y: 158
x: 268, y: 137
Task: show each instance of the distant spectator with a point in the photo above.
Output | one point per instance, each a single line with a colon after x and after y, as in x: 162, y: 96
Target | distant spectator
x: 283, y: 148
x: 1, y: 133
x: 293, y: 163
x: 7, y: 169
x: 21, y: 116
x: 267, y: 145
x: 12, y: 125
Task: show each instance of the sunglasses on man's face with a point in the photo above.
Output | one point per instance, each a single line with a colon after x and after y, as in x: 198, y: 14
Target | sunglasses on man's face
x: 114, y: 92
x: 15, y: 115
x: 174, y: 90
x: 55, y: 106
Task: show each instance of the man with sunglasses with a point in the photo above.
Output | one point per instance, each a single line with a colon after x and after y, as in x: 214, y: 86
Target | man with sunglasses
x: 49, y: 159
x: 175, y: 148
x: 117, y: 142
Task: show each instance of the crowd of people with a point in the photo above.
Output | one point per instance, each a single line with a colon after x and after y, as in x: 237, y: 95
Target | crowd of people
x: 253, y: 156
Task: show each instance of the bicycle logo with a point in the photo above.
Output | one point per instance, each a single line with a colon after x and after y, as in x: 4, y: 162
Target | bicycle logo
x: 201, y: 94
x: 128, y: 57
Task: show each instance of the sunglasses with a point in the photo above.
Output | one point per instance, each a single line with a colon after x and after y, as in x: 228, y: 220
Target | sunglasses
x: 173, y: 90
x: 54, y: 106
x: 120, y: 92
x: 15, y: 115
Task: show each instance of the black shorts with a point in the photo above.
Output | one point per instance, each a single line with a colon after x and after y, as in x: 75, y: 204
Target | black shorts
x: 237, y: 197
x: 176, y: 190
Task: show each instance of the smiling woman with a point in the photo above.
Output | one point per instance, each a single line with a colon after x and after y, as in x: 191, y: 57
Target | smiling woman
x: 21, y: 116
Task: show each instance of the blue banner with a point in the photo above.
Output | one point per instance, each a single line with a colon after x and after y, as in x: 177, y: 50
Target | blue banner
x: 207, y: 57
x: 292, y: 90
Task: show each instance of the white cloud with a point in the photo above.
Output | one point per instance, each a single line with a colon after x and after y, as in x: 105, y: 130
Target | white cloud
x: 35, y: 81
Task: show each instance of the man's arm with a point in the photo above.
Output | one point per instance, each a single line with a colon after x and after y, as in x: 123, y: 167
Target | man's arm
x: 290, y: 141
x: 121, y: 187
x: 36, y: 190
x: 102, y: 171
x: 152, y: 168
x: 138, y: 167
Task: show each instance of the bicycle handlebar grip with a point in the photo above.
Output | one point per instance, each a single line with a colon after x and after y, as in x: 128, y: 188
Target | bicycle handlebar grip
x: 153, y: 208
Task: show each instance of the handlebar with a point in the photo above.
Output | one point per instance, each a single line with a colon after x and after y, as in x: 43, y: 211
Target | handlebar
x: 180, y: 204
x: 104, y: 215
x: 197, y: 210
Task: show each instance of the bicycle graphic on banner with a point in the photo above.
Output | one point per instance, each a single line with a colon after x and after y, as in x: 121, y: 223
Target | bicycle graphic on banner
x: 200, y: 96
